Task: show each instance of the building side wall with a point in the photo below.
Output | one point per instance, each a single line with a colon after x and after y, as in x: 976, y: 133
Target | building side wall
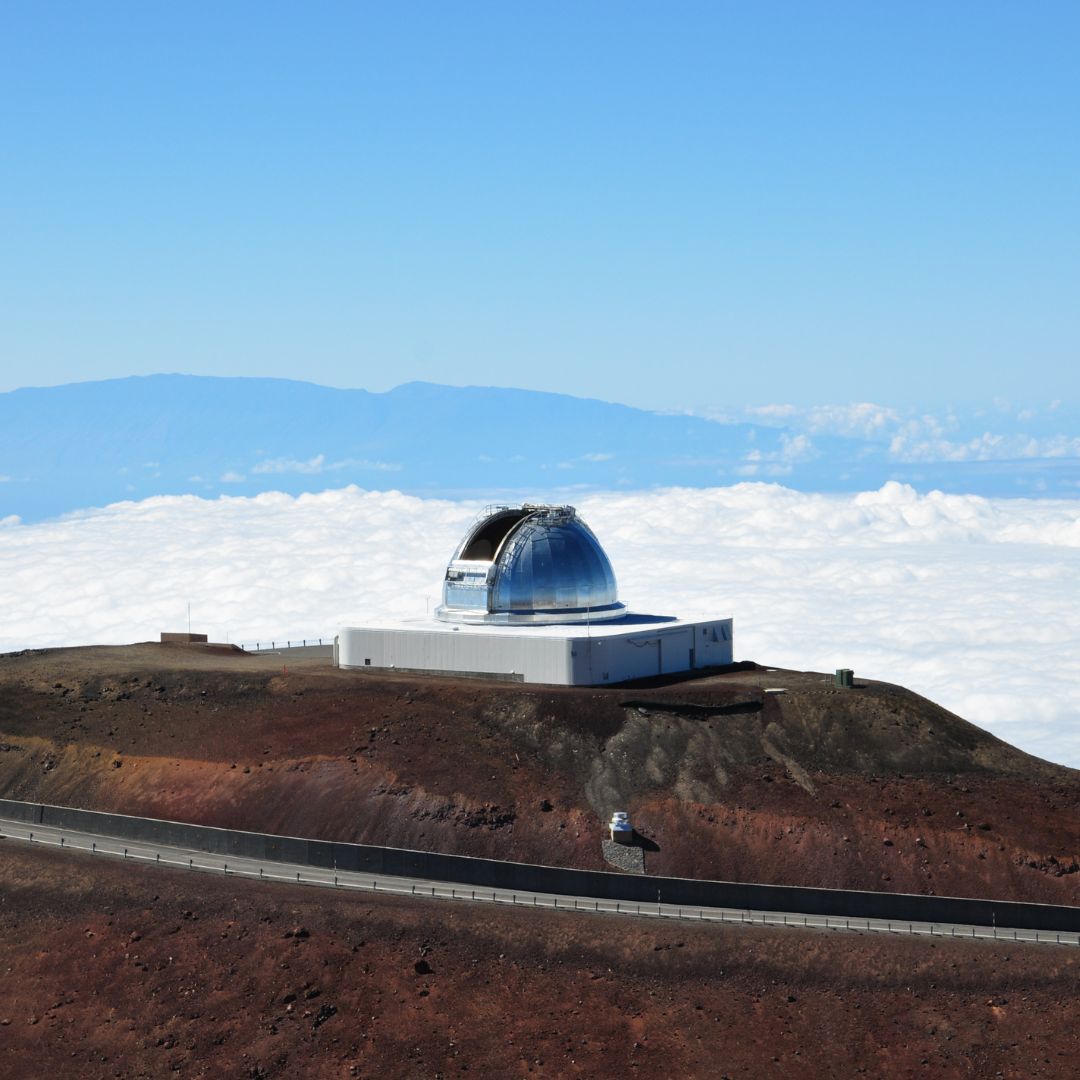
x: 564, y: 661
x: 714, y: 643
x: 536, y: 659
x: 657, y: 651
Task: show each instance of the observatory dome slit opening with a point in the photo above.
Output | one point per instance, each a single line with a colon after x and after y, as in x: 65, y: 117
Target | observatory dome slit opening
x: 484, y: 543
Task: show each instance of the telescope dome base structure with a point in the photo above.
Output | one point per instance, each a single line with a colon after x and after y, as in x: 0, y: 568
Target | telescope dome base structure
x: 582, y: 617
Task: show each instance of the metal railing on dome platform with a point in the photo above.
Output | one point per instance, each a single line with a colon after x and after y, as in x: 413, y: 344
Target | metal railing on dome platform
x: 277, y: 644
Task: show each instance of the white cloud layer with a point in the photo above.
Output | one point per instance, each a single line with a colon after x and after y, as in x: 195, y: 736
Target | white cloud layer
x: 909, y: 446
x: 857, y: 420
x: 972, y: 602
x: 1002, y: 433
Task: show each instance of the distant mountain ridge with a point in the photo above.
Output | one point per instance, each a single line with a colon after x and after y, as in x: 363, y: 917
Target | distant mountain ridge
x: 88, y: 444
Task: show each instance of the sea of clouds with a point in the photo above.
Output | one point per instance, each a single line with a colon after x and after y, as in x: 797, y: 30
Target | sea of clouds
x: 973, y: 602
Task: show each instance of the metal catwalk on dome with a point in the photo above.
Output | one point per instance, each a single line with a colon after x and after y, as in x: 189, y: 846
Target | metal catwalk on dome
x: 529, y: 564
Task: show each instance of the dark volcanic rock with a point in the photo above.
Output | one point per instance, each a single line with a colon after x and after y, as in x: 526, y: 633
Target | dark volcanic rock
x: 519, y: 991
x: 728, y: 782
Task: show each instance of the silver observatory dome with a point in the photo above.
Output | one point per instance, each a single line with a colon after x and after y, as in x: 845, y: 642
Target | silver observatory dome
x: 529, y: 564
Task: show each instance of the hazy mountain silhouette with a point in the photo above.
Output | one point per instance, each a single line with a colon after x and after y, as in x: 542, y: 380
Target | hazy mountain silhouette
x: 89, y: 444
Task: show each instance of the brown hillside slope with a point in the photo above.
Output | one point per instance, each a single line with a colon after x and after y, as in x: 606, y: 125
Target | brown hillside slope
x: 120, y: 971
x: 867, y: 788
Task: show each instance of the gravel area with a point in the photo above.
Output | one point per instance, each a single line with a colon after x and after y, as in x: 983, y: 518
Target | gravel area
x: 626, y: 857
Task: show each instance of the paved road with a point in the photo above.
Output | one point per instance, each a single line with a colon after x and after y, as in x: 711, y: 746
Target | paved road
x: 87, y: 844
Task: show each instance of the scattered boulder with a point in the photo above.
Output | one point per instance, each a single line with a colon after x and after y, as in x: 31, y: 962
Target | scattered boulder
x: 324, y: 1014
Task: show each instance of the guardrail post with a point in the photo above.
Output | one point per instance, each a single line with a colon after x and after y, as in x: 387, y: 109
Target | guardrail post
x: 125, y: 853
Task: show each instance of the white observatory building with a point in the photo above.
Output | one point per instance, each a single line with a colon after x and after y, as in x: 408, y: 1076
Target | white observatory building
x: 530, y: 596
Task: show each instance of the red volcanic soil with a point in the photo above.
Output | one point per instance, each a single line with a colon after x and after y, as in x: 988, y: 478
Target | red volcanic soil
x: 871, y: 788
x: 113, y: 970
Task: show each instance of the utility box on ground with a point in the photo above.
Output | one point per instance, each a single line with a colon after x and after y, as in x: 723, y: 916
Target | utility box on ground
x: 622, y: 832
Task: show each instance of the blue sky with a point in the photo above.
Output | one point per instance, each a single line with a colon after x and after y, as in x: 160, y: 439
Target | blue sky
x: 671, y: 206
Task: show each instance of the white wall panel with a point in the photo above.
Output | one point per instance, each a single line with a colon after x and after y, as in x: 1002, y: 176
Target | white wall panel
x: 542, y: 656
